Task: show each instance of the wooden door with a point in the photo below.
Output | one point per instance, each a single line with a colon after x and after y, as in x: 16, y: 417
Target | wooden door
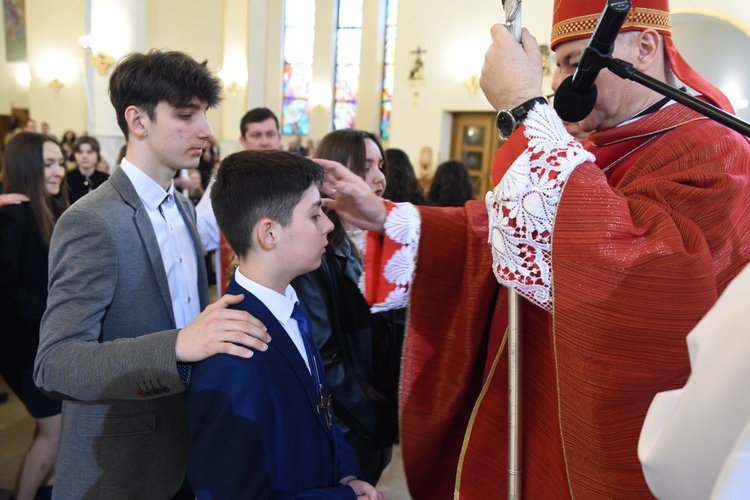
x: 474, y: 142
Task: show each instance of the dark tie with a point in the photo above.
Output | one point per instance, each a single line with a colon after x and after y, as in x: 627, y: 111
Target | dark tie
x: 183, y: 370
x: 303, y: 321
x: 316, y: 368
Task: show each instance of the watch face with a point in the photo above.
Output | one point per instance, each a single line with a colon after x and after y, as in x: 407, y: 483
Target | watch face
x: 506, y: 124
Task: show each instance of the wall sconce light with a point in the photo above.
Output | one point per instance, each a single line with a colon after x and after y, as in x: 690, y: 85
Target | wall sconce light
x: 56, y: 85
x: 472, y: 83
x: 417, y: 71
x: 233, y: 88
x: 234, y: 79
x: 101, y: 61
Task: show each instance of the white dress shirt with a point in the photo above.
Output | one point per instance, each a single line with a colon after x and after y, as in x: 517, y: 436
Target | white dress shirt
x: 281, y: 306
x: 208, y: 228
x: 177, y: 249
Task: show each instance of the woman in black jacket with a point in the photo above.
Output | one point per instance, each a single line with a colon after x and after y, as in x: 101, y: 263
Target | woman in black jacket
x: 361, y: 351
x: 34, y: 166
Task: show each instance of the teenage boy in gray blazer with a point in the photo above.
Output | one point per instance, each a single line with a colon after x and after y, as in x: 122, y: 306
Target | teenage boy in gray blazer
x: 127, y: 285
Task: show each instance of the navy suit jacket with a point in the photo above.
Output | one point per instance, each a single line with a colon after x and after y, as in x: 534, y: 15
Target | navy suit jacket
x: 254, y: 426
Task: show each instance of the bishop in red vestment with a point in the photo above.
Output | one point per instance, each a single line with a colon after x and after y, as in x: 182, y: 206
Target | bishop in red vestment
x: 620, y: 244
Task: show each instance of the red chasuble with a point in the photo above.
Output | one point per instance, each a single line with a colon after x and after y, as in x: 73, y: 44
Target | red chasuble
x: 639, y: 255
x: 227, y: 264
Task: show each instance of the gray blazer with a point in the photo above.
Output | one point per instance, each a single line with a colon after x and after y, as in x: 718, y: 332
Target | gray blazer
x: 107, y: 348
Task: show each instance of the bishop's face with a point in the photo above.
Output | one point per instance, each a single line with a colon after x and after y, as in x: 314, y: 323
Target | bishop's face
x: 618, y: 99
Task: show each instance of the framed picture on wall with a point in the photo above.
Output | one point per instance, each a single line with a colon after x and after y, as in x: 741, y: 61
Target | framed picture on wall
x: 14, y: 15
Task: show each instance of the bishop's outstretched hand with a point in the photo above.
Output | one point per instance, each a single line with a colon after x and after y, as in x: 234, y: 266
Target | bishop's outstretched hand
x: 351, y: 197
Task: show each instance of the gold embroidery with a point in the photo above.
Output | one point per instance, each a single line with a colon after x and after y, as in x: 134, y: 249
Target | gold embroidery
x: 618, y: 160
x: 467, y: 436
x: 637, y: 18
x: 554, y: 348
x: 657, y: 131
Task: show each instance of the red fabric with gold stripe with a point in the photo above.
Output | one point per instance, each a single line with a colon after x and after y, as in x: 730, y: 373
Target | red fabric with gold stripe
x: 627, y: 287
x: 227, y: 260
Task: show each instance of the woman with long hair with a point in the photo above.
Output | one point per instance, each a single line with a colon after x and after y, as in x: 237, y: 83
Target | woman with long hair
x: 68, y: 141
x: 402, y: 180
x: 361, y: 351
x: 451, y: 186
x: 34, y: 167
x: 362, y: 153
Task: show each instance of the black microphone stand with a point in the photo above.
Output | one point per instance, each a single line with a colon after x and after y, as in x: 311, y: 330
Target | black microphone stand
x: 627, y: 71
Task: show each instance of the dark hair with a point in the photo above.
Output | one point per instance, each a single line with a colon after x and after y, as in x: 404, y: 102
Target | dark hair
x: 72, y: 138
x: 401, y: 183
x: 91, y: 142
x: 121, y: 154
x: 257, y: 115
x: 451, y: 186
x: 346, y: 146
x: 144, y: 80
x: 24, y: 173
x: 252, y: 185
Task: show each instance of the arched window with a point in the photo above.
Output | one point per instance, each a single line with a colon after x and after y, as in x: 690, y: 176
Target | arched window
x: 299, y: 37
x: 389, y: 59
x: 348, y: 49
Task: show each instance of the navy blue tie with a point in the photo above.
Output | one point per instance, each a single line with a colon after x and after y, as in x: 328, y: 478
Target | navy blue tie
x: 316, y: 369
x: 183, y: 370
x: 303, y: 322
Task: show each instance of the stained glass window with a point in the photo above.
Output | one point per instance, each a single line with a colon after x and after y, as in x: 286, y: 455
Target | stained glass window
x: 389, y: 59
x: 299, y: 37
x: 348, y: 49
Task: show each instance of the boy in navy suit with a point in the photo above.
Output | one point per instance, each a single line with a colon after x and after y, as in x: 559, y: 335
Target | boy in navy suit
x: 262, y: 427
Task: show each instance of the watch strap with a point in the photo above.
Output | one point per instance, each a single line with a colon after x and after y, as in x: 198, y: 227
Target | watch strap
x: 508, y: 120
x: 520, y: 112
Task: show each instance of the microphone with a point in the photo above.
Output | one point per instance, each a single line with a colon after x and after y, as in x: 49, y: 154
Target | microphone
x: 576, y: 96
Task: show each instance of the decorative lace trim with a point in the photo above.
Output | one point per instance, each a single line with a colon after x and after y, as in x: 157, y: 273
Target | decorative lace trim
x: 522, y: 207
x: 403, y: 226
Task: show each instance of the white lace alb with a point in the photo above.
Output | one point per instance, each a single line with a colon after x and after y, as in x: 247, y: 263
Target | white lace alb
x: 521, y: 210
x: 523, y: 205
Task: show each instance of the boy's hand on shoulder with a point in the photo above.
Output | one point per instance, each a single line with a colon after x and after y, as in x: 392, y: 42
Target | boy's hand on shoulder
x: 12, y: 199
x: 218, y: 330
x: 365, y: 491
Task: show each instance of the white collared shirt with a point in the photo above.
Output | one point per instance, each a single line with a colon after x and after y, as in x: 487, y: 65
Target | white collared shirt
x: 281, y: 306
x: 175, y: 243
x: 208, y: 228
